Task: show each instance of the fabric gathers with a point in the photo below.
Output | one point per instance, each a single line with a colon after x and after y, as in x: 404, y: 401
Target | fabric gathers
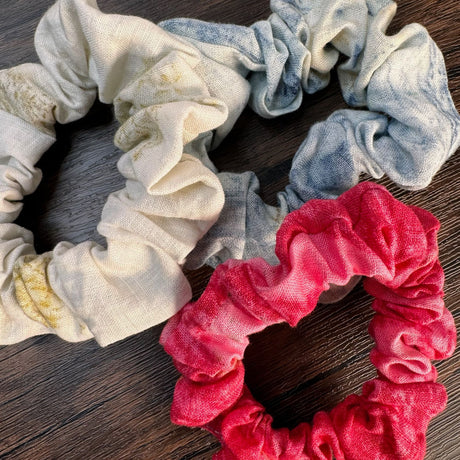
x: 363, y: 232
x: 176, y: 95
x: 404, y: 123
x: 172, y: 104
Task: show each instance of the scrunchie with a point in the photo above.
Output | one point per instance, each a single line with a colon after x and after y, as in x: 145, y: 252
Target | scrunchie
x: 364, y: 232
x: 169, y: 99
x: 410, y: 128
x: 170, y: 199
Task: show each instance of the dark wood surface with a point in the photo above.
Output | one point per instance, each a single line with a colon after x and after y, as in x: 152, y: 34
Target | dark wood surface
x: 79, y: 401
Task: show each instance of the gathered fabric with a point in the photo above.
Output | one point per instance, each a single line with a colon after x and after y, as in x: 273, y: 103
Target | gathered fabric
x: 175, y: 100
x: 404, y: 123
x: 364, y: 232
x: 172, y: 104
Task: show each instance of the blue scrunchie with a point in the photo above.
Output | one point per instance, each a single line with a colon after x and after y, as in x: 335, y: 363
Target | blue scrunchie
x: 408, y: 128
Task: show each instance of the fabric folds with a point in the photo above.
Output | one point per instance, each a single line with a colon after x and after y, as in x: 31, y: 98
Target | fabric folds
x: 363, y: 232
x: 171, y: 111
x: 403, y: 122
x: 176, y: 94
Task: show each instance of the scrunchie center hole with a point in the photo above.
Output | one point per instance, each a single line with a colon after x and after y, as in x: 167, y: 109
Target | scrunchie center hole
x: 79, y: 172
x: 296, y: 372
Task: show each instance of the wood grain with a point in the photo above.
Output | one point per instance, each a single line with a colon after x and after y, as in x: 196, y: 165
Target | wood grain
x: 78, y: 401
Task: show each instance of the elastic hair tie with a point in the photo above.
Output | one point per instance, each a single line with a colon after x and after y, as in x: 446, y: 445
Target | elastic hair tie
x: 364, y: 232
x: 174, y: 104
x: 168, y: 99
x: 410, y: 129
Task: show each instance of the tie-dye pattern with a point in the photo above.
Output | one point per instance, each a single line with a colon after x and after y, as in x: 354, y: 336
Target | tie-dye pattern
x: 174, y: 103
x: 407, y: 131
x: 363, y: 232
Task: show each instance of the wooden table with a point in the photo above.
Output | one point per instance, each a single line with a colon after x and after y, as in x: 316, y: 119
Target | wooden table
x: 78, y: 401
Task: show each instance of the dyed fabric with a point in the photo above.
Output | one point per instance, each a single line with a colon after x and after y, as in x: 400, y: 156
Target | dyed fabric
x: 172, y: 103
x: 409, y: 126
x: 364, y: 232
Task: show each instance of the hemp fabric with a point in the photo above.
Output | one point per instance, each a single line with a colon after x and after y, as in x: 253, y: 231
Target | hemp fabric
x: 172, y: 103
x: 364, y: 232
x: 404, y: 123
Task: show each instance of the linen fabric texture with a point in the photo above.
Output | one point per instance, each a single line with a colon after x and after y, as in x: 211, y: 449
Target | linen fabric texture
x: 172, y: 103
x: 175, y: 101
x: 364, y: 232
x: 409, y: 126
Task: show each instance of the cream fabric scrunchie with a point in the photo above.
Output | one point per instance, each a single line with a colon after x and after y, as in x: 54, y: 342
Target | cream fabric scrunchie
x: 168, y: 98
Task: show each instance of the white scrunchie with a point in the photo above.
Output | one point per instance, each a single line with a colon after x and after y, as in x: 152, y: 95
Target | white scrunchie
x: 168, y: 98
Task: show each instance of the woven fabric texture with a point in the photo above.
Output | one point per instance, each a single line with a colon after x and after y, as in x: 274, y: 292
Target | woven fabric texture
x: 364, y: 232
x: 403, y: 124
x: 172, y: 104
x: 175, y: 100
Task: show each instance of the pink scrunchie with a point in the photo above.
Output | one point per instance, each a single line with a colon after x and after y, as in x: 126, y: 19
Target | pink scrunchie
x: 364, y: 232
